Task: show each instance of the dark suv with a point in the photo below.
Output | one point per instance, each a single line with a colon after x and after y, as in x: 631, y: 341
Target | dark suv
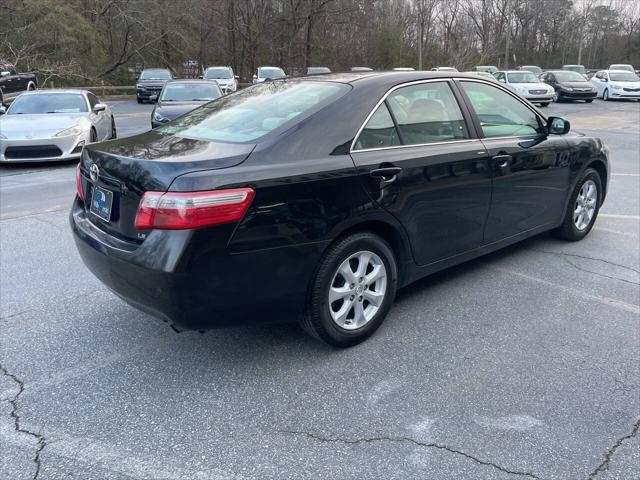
x: 150, y: 82
x: 13, y: 83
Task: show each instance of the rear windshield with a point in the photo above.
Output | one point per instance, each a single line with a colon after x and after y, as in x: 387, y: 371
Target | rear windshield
x: 49, y: 103
x: 190, y: 92
x: 531, y: 68
x: 522, y: 77
x: 622, y: 66
x: 623, y: 77
x: 253, y: 112
x: 575, y: 68
x: 159, y: 74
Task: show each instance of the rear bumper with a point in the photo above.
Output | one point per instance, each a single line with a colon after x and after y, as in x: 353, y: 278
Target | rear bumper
x: 201, y: 289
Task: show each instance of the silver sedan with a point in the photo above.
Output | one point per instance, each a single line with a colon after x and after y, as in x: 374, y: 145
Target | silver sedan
x: 48, y: 125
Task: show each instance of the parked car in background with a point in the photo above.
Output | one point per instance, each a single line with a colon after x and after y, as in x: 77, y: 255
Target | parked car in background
x: 444, y: 69
x: 221, y: 217
x: 616, y: 84
x: 181, y: 96
x: 486, y: 75
x: 361, y: 69
x: 267, y: 73
x: 531, y: 68
x: 569, y: 85
x: 13, y: 83
x: 224, y: 76
x: 150, y: 82
x: 49, y: 125
x: 622, y: 66
x: 486, y: 68
x: 318, y: 70
x: 526, y: 84
x: 576, y: 68
x: 403, y: 69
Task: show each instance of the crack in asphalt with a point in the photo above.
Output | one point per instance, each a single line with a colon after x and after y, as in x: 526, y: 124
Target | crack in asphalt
x: 564, y: 254
x: 610, y: 451
x: 42, y: 441
x: 600, y: 274
x: 357, y: 441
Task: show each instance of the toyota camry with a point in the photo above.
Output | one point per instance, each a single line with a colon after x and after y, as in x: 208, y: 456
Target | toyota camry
x: 315, y: 199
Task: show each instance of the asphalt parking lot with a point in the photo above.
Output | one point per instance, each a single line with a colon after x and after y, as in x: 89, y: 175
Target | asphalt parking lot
x: 522, y: 364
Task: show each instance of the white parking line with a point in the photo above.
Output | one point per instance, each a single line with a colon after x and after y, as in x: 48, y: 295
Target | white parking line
x: 610, y: 302
x: 625, y: 174
x: 623, y: 217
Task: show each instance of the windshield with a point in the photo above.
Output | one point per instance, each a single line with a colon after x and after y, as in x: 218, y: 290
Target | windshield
x: 255, y: 111
x: 623, y: 77
x: 622, y: 66
x: 190, y: 92
x: 49, y: 103
x: 531, y: 68
x: 575, y: 68
x: 270, y: 72
x: 317, y: 70
x: 522, y: 77
x: 160, y: 74
x: 569, y: 76
x: 218, y: 72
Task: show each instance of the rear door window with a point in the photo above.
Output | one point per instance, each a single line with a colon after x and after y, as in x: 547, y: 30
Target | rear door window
x: 427, y: 113
x: 379, y: 132
x: 500, y: 114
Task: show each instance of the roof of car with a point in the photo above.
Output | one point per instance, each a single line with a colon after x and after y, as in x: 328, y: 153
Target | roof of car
x: 385, y: 77
x: 192, y: 80
x: 56, y: 90
x: 615, y: 71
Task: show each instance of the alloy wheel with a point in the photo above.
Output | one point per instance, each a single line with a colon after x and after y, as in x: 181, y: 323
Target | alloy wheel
x: 605, y: 95
x: 585, y: 205
x: 357, y: 290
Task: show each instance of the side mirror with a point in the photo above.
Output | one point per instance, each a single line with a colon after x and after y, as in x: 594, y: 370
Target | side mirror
x: 255, y: 77
x: 153, y: 98
x: 3, y: 110
x: 5, y: 73
x: 557, y: 126
x: 99, y: 107
x: 604, y: 80
x: 237, y: 77
x: 502, y: 80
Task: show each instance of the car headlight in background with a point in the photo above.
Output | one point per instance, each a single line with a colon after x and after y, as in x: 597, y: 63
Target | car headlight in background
x: 70, y: 132
x: 569, y: 89
x: 521, y: 90
x: 139, y: 87
x: 159, y: 118
x: 615, y: 87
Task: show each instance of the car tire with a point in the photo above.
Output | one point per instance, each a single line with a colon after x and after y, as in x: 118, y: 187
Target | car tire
x: 546, y: 104
x: 139, y: 99
x: 572, y: 228
x: 93, y: 136
x: 589, y: 101
x: 114, y: 132
x: 1, y: 99
x: 605, y: 95
x: 351, y: 318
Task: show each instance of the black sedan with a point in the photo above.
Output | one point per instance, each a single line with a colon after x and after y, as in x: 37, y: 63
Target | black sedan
x: 317, y: 198
x: 569, y: 85
x: 182, y: 96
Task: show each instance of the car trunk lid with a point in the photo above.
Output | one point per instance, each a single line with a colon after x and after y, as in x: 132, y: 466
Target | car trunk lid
x: 130, y: 167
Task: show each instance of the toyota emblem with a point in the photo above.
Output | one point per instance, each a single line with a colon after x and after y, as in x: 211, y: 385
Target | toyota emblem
x: 94, y: 172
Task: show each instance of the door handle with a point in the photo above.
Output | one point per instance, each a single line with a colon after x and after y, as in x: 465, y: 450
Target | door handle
x: 388, y: 174
x: 503, y: 161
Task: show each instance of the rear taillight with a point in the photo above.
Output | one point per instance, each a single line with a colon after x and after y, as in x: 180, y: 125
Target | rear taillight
x: 182, y: 210
x: 79, y: 183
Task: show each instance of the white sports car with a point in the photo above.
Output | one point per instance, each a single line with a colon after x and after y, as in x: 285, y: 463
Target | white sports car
x: 48, y: 125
